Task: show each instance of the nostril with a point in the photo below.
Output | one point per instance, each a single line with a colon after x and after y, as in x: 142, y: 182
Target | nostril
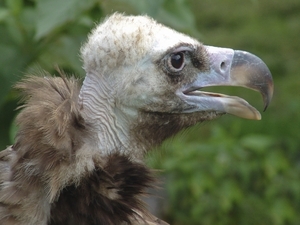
x: 223, y: 66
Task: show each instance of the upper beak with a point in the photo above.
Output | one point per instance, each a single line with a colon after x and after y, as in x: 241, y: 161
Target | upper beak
x: 230, y: 67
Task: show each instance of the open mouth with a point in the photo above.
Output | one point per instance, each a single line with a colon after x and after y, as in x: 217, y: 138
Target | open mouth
x: 234, y: 105
x: 229, y: 68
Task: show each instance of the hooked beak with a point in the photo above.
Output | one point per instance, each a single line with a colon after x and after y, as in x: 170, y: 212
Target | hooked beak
x: 229, y: 67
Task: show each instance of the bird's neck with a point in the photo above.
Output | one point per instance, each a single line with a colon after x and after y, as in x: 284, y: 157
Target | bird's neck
x: 109, y: 127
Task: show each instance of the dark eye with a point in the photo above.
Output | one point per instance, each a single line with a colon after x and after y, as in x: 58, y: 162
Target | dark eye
x: 176, y: 61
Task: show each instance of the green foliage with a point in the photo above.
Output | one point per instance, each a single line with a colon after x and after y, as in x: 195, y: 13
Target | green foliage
x: 54, y: 14
x: 229, y: 180
x: 230, y: 171
x: 38, y: 35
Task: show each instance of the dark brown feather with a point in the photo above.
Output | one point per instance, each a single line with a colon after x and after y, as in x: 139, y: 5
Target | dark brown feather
x: 90, y: 204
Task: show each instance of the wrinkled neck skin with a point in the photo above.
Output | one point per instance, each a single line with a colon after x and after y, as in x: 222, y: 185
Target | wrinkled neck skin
x: 108, y: 120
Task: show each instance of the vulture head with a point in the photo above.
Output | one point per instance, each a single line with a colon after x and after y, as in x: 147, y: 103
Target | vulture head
x: 77, y: 157
x: 146, y: 80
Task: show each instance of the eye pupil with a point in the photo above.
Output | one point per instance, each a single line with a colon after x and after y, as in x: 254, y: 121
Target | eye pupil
x: 177, y: 60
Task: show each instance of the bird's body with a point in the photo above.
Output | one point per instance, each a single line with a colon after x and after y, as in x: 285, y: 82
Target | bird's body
x: 82, y: 187
x: 78, y: 155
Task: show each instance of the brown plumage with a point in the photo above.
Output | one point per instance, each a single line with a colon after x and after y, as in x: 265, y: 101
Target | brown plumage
x: 78, y: 154
x: 51, y: 131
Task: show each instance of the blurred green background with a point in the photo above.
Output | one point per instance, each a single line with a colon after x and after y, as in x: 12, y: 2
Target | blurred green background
x: 229, y: 171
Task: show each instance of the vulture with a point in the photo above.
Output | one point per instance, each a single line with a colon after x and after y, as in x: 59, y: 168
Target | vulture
x: 78, y: 153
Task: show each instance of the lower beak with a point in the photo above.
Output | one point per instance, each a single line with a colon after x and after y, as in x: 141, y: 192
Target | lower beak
x: 230, y: 67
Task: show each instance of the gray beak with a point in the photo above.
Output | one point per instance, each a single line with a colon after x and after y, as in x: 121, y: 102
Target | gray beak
x: 230, y: 67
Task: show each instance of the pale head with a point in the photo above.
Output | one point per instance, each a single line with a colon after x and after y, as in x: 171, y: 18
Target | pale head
x: 143, y: 82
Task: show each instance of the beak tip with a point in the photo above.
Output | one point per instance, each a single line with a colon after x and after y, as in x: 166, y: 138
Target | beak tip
x: 255, y: 72
x: 268, y: 95
x: 266, y: 103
